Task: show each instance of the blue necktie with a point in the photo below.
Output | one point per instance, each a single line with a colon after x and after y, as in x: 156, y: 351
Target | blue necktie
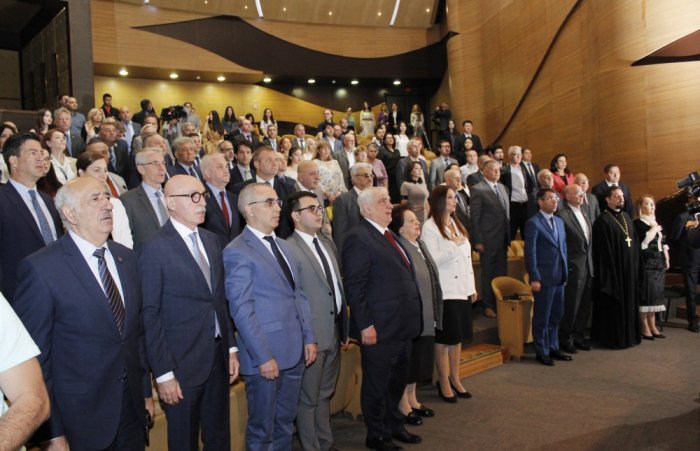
x: 112, y: 159
x: 280, y: 260
x: 500, y: 198
x: 44, y: 226
x: 554, y: 228
x: 110, y: 289
x: 69, y: 145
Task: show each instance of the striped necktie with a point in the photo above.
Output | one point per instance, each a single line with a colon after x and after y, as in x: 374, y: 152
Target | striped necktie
x: 110, y: 289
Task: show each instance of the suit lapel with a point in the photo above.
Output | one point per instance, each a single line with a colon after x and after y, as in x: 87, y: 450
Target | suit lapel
x: 179, y: 247
x: 574, y: 220
x: 312, y: 257
x: 261, y: 249
x: 143, y: 197
x: 387, y: 245
x: 23, y: 210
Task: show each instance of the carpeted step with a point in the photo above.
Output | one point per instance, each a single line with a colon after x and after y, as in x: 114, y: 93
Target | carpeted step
x: 682, y: 311
x: 480, y: 358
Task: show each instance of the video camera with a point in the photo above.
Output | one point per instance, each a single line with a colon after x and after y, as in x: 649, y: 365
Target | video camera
x: 173, y: 112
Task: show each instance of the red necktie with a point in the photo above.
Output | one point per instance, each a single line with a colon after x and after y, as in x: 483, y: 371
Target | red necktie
x: 225, y: 209
x: 390, y: 238
x: 112, y: 188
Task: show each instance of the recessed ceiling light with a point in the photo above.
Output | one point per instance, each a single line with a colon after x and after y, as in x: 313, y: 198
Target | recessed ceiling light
x: 146, y: 1
x: 205, y: 2
x: 173, y: 75
x: 221, y: 78
x: 284, y: 9
x: 427, y: 10
x: 311, y: 81
x: 397, y: 82
x: 267, y: 79
x: 123, y: 72
x: 333, y: 82
x: 379, y: 14
x: 198, y: 77
x: 246, y: 7
x: 354, y: 82
x: 330, y: 13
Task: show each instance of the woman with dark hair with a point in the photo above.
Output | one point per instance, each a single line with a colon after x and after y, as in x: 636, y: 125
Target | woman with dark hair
x: 267, y: 120
x: 229, y: 120
x: 293, y: 160
x: 213, y: 132
x: 414, y: 190
x: 451, y: 135
x: 6, y: 130
x: 251, y: 118
x: 390, y: 156
x: 63, y: 165
x: 378, y: 169
x: 48, y: 184
x: 461, y: 154
x: 93, y: 164
x: 285, y: 146
x: 44, y: 119
x: 367, y: 120
x: 402, y: 139
x: 405, y: 224
x: 448, y: 243
x: 560, y: 172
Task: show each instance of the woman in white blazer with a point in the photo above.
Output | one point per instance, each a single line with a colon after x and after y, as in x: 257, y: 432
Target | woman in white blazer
x: 447, y: 241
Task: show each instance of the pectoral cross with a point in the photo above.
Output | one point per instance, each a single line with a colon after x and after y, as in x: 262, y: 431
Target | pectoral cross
x: 629, y: 241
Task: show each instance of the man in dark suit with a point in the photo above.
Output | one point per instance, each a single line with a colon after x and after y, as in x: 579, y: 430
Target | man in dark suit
x: 299, y: 137
x: 118, y: 152
x: 266, y: 172
x: 531, y: 169
x: 468, y: 126
x: 185, y: 151
x: 222, y: 217
x: 442, y: 115
x: 346, y: 210
x: 514, y: 177
x: 146, y: 109
x: 611, y: 173
x: 413, y: 149
x: 80, y: 299
x: 577, y: 294
x: 478, y: 176
x: 335, y: 143
x: 382, y: 292
x: 132, y: 129
x: 309, y: 179
x: 690, y: 261
x: 247, y: 135
x: 545, y: 260
x: 490, y: 216
x: 243, y: 170
x: 271, y: 312
x: 74, y: 142
x: 590, y: 202
x: 394, y: 119
x: 28, y: 219
x: 453, y: 179
x: 346, y: 158
x: 319, y: 275
x: 189, y: 333
x: 145, y: 204
x: 272, y: 140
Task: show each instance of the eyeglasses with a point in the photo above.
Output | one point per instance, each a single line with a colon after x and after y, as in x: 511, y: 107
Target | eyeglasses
x: 196, y: 197
x: 270, y: 202
x: 155, y: 164
x: 313, y: 208
x: 549, y: 199
x: 47, y: 160
x: 366, y: 175
x: 582, y: 180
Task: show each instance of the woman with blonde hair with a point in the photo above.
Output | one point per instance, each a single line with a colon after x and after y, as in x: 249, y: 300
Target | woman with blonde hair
x: 332, y: 179
x: 92, y: 124
x: 309, y: 149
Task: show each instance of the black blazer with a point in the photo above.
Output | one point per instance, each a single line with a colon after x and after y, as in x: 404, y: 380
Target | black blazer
x: 255, y: 142
x: 214, y: 220
x: 477, y: 143
x: 534, y: 183
x: 474, y: 178
x: 237, y: 178
x: 599, y: 192
x: 507, y: 179
x: 178, y: 169
x: 390, y: 122
x: 283, y: 190
x: 578, y: 250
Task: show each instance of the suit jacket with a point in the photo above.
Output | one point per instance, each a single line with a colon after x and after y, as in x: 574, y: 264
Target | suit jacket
x: 462, y: 210
x: 297, y: 142
x: 390, y: 122
x: 545, y: 253
x: 283, y: 190
x: 118, y: 182
x: 453, y: 139
x: 214, y: 219
x: 534, y: 183
x: 599, y: 192
x: 83, y: 356
x: 77, y: 144
x: 507, y: 179
x: 319, y: 294
x: 490, y: 223
x: 113, y: 112
x: 179, y: 309
x: 254, y: 141
x: 477, y: 143
x: 380, y: 289
x: 326, y: 228
x: 401, y: 168
x: 143, y: 219
x: 443, y: 118
x: 342, y: 158
x: 337, y: 145
x: 346, y: 215
x: 579, y: 251
x: 268, y: 142
x: 122, y: 153
x: 473, y: 179
x: 272, y: 317
x: 237, y: 178
x: 689, y: 255
x: 437, y: 172
x: 178, y: 169
x: 591, y: 206
x: 19, y: 234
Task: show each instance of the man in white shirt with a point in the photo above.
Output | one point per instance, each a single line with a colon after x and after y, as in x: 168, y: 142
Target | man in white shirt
x: 132, y: 129
x: 513, y: 176
x: 471, y: 166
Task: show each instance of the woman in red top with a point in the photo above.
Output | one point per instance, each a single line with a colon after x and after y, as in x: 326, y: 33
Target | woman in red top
x: 562, y: 175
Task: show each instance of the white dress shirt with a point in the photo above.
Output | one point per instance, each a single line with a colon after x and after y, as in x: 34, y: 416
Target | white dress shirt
x: 87, y: 250
x: 24, y: 194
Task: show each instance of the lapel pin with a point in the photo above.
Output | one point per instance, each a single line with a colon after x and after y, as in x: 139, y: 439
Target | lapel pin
x: 119, y: 259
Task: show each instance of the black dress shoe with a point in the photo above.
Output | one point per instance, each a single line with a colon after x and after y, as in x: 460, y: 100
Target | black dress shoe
x: 424, y: 412
x: 571, y: 349
x: 382, y: 444
x: 693, y: 328
x: 560, y: 356
x: 583, y: 346
x: 413, y: 419
x: 460, y: 394
x: 650, y: 337
x: 545, y: 360
x: 406, y: 437
x: 451, y: 399
x: 658, y: 335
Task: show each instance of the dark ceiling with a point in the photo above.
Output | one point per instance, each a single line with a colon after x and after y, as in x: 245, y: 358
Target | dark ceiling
x: 21, y: 20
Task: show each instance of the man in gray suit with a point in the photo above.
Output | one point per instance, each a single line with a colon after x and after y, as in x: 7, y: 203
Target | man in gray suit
x: 145, y: 204
x: 438, y: 165
x: 319, y: 276
x: 309, y: 179
x: 413, y: 149
x: 590, y: 202
x: 336, y: 144
x: 577, y: 293
x: 490, y: 215
x: 346, y: 158
x: 346, y: 210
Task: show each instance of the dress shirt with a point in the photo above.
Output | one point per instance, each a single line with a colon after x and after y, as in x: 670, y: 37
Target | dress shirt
x: 87, y: 250
x: 550, y: 222
x: 259, y: 180
x: 151, y: 193
x: 309, y: 240
x: 24, y: 194
x: 261, y: 236
x: 351, y: 157
x: 242, y: 170
x: 64, y: 172
x: 187, y: 170
x: 303, y: 188
x: 581, y: 221
x: 358, y: 191
x: 217, y: 196
x: 382, y: 231
x: 517, y: 185
x: 77, y: 122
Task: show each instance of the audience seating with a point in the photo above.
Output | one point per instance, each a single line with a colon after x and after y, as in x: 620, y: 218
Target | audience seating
x: 514, y: 315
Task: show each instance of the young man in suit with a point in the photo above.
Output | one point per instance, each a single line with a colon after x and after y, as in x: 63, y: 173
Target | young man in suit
x: 247, y: 135
x: 28, y: 219
x: 545, y: 260
x: 611, y: 172
x: 531, y: 169
x: 80, y: 300
x: 189, y: 333
x: 185, y: 151
x: 490, y: 216
x: 346, y: 210
x: 382, y: 292
x: 222, y: 217
x: 468, y: 127
x: 577, y: 294
x: 329, y: 137
x: 275, y: 331
x: 438, y: 165
x: 243, y: 170
x: 319, y: 275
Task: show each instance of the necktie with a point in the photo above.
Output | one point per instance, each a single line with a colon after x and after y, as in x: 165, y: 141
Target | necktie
x: 301, y: 143
x: 274, y: 144
x: 193, y: 173
x: 554, y: 227
x: 199, y: 258
x: 69, y: 144
x: 280, y: 260
x: 110, y: 289
x: 129, y: 135
x: 112, y: 159
x: 447, y: 163
x: 224, y: 208
x: 248, y: 138
x: 390, y: 238
x: 112, y: 188
x: 43, y: 222
x: 161, y: 209
x: 247, y: 174
x: 500, y: 198
x: 327, y: 271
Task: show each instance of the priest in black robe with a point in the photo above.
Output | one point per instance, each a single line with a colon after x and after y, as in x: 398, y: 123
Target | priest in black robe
x: 618, y: 270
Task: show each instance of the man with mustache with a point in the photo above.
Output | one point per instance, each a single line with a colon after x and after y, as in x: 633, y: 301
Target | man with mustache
x: 189, y: 333
x: 80, y: 300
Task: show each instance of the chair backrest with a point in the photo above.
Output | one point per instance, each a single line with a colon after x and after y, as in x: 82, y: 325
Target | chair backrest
x: 517, y: 249
x: 507, y: 286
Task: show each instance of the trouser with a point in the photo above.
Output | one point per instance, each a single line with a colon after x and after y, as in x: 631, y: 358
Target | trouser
x: 547, y: 312
x: 494, y: 263
x: 690, y: 283
x: 577, y: 308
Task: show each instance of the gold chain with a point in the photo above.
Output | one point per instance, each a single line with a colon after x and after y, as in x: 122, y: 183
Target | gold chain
x: 624, y: 229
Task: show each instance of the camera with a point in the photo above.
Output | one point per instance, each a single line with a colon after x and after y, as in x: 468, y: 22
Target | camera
x: 693, y: 208
x: 688, y: 180
x: 179, y: 112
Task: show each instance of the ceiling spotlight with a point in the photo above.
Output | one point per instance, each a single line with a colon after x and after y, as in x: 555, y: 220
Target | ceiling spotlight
x: 284, y: 9
x: 427, y: 10
x: 330, y: 13
x: 205, y: 2
x: 379, y: 14
x: 354, y: 82
x: 147, y: 1
x: 333, y: 82
x: 173, y: 75
x: 397, y: 82
x: 198, y: 77
x: 221, y: 78
x: 123, y: 72
x: 267, y: 79
x: 311, y: 81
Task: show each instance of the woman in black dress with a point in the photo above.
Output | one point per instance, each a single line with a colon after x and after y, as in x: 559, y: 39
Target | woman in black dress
x: 655, y: 258
x: 390, y: 156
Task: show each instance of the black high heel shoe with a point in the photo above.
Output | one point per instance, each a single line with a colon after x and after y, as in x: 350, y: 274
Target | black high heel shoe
x: 451, y: 400
x: 465, y: 395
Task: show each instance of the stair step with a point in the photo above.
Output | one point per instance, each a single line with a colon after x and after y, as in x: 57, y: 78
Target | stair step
x: 476, y: 359
x: 682, y: 311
